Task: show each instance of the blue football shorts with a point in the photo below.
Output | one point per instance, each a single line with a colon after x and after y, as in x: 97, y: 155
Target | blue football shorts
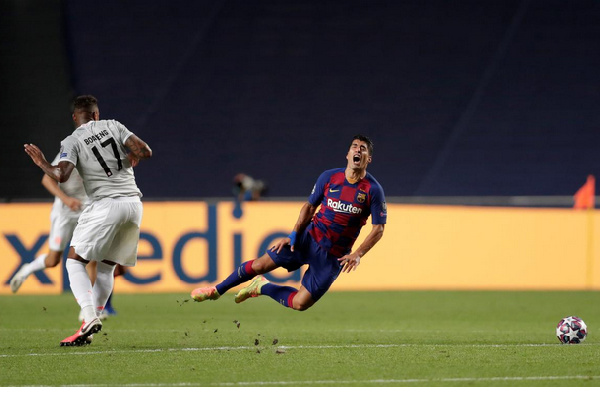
x: 323, y: 268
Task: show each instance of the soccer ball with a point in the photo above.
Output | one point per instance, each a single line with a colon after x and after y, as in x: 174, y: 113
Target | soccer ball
x: 571, y: 330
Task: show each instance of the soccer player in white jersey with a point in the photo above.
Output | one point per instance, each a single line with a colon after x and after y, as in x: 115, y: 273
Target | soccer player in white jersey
x: 104, y: 152
x: 69, y: 200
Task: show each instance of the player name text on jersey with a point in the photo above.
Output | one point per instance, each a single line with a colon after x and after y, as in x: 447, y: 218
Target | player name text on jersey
x: 96, y: 137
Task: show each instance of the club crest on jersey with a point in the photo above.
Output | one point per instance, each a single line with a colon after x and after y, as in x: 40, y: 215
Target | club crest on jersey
x: 361, y: 197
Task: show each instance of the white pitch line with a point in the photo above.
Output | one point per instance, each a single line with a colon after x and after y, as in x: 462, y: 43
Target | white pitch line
x: 407, y: 381
x: 288, y: 347
x: 362, y: 382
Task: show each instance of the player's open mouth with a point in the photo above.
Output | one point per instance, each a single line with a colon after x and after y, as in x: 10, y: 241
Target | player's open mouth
x: 356, y: 158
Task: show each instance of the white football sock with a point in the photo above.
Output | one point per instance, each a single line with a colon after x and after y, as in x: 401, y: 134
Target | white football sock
x: 103, y: 286
x: 81, y: 287
x: 37, y: 264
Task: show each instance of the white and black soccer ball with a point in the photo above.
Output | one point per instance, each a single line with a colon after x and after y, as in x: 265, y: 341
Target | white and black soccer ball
x: 571, y: 330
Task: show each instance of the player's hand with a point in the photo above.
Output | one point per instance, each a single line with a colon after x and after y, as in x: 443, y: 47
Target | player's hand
x: 349, y: 262
x: 72, y: 203
x: 36, y: 154
x: 280, y: 244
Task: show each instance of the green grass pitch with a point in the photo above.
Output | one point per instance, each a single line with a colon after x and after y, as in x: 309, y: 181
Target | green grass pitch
x: 379, y: 339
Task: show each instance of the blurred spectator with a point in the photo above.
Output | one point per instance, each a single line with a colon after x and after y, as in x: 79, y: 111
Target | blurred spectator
x: 246, y: 188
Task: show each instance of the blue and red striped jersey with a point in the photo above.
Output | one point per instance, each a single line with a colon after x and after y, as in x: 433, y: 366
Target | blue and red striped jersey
x: 344, y: 210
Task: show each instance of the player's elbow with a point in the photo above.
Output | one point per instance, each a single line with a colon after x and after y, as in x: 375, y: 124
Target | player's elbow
x: 62, y: 172
x: 63, y: 177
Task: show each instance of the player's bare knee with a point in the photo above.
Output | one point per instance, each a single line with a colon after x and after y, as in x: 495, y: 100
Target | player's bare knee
x: 301, y: 306
x: 258, y: 267
x: 263, y: 264
x: 302, y: 301
x: 52, y: 259
x: 52, y: 263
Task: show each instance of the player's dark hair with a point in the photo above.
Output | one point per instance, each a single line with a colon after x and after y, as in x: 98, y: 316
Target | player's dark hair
x: 366, y: 139
x: 86, y: 103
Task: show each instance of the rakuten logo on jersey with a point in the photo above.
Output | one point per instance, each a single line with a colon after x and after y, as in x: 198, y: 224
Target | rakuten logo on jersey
x: 341, y: 207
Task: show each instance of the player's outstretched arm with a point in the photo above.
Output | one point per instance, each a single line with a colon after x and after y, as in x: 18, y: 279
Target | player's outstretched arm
x: 59, y: 173
x: 351, y: 261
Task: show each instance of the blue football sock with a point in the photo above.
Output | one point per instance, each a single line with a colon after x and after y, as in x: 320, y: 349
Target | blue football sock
x: 282, y: 295
x: 240, y: 275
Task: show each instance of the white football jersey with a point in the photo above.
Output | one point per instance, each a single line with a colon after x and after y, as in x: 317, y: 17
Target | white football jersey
x: 97, y: 150
x: 74, y: 188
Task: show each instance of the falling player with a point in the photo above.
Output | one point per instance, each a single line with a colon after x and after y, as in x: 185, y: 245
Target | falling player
x: 324, y: 241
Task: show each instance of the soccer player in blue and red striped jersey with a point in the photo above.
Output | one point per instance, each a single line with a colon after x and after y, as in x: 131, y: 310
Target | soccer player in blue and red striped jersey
x: 346, y: 197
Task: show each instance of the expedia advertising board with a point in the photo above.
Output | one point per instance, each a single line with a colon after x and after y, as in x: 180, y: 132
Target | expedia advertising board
x: 187, y: 244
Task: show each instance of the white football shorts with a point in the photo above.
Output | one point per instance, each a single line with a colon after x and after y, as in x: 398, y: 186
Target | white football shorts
x: 109, y: 229
x: 62, y: 226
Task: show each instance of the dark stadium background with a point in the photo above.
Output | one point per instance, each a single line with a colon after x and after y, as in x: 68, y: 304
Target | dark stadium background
x: 464, y: 98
